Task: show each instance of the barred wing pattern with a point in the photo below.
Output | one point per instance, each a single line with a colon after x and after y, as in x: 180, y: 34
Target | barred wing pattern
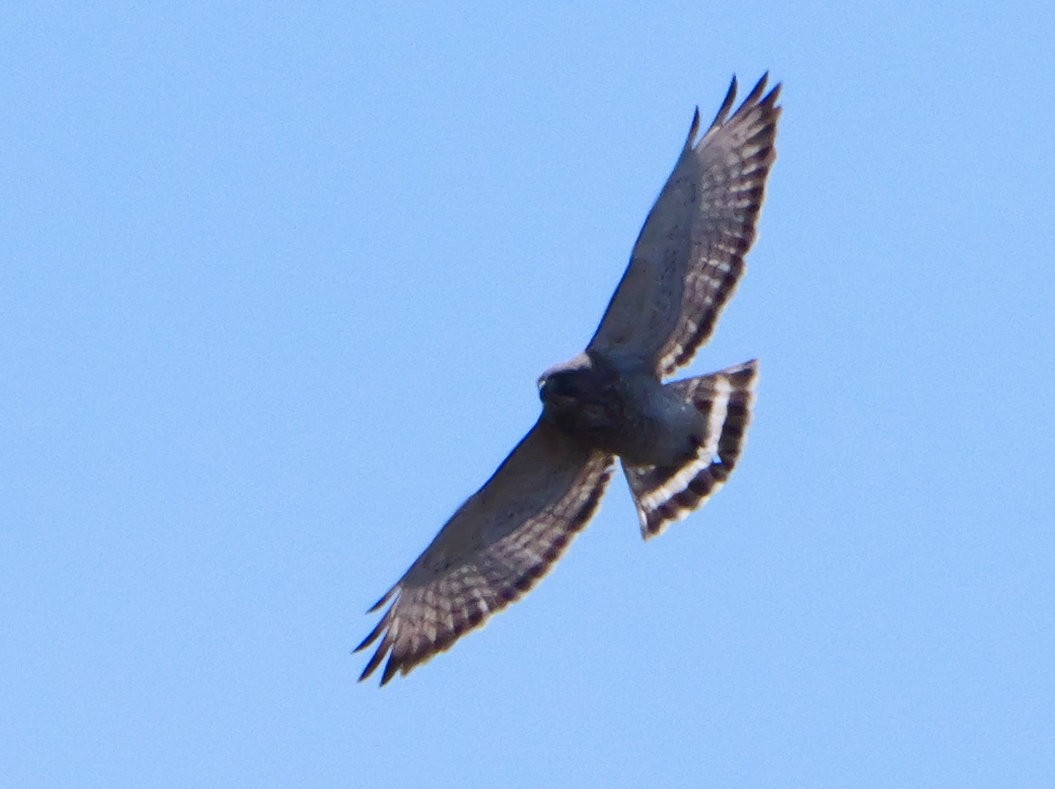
x: 666, y: 494
x: 498, y: 544
x: 690, y: 252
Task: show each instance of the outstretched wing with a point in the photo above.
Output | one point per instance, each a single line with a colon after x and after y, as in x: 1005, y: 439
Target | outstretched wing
x: 492, y: 550
x: 690, y: 253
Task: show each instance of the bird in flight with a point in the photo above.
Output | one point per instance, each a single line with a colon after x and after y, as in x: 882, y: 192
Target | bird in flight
x: 677, y: 442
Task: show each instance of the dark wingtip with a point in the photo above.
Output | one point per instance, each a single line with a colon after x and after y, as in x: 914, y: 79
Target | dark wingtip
x: 390, y: 670
x: 773, y: 96
x: 376, y: 659
x: 770, y: 98
x: 694, y: 127
x: 727, y: 104
x: 384, y: 599
x: 378, y: 629
x: 756, y: 93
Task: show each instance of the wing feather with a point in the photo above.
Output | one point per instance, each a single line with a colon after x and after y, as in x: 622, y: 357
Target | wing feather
x: 498, y: 544
x: 689, y: 255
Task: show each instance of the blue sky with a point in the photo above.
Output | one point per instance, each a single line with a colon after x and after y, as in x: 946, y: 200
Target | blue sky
x: 276, y: 283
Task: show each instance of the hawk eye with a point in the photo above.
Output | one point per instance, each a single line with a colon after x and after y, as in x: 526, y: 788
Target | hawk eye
x: 560, y: 384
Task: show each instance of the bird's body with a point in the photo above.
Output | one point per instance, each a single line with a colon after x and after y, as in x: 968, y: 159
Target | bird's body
x: 677, y: 441
x: 614, y: 403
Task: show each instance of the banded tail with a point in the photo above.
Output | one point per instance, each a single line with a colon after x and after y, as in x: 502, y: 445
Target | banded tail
x: 665, y: 494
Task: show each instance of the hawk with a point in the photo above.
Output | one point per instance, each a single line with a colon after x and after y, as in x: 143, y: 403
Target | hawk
x: 677, y: 442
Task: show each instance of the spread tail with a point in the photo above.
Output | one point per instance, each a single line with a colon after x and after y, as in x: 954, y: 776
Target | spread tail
x: 665, y: 494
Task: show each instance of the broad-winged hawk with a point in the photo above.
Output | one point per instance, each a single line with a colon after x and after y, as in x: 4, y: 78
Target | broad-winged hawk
x: 677, y: 442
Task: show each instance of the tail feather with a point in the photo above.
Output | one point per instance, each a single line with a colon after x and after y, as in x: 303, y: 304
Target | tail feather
x: 665, y: 494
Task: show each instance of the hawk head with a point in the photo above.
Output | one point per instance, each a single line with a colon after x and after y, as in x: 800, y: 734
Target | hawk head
x: 581, y: 396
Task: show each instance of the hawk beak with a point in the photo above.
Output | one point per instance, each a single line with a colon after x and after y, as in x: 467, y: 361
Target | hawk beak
x: 543, y: 384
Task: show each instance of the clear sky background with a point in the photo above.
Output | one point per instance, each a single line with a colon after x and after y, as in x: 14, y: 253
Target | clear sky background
x: 275, y: 286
